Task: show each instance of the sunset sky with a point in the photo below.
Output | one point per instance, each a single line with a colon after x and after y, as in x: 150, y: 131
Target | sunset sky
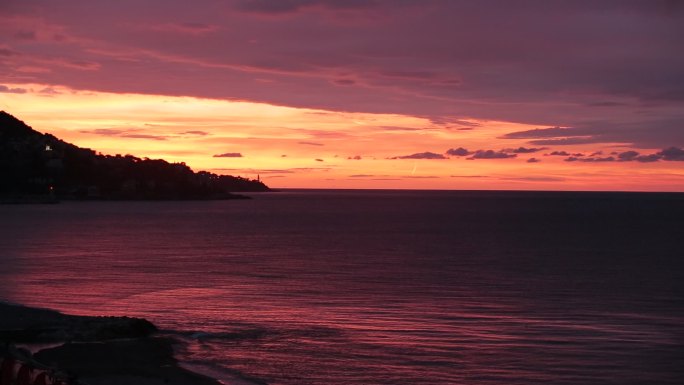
x: 544, y: 95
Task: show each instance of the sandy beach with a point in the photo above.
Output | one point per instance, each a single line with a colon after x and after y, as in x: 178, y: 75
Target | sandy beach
x: 92, y: 350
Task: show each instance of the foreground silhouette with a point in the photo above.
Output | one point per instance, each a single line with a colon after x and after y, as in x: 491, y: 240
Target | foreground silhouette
x: 82, y: 350
x: 41, y: 167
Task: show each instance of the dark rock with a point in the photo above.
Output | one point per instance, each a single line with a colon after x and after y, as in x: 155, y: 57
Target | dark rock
x: 22, y: 324
x: 149, y: 360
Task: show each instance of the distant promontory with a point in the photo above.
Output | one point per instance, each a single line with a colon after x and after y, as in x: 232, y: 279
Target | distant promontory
x: 41, y: 167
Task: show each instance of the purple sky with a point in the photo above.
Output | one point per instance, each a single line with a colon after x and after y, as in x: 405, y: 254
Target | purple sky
x: 607, y: 71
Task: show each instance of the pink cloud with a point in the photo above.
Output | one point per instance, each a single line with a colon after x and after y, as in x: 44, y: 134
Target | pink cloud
x: 229, y: 155
x: 428, y: 58
x: 185, y: 28
x: 9, y: 90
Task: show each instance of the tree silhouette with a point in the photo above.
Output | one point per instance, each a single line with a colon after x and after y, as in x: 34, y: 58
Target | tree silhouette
x: 32, y: 163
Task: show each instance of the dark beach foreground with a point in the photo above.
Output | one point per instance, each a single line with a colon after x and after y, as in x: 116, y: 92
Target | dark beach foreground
x: 88, y: 350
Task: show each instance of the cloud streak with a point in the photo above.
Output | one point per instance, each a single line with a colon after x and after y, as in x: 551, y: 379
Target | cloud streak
x: 491, y: 154
x: 671, y: 154
x: 421, y: 155
x: 458, y: 152
x: 9, y: 90
x: 229, y: 155
x: 124, y: 133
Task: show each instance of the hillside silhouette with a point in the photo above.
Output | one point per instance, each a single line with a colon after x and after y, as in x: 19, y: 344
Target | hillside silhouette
x: 36, y: 166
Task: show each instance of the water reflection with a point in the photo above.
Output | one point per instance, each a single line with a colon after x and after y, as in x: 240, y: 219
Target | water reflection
x: 324, y: 289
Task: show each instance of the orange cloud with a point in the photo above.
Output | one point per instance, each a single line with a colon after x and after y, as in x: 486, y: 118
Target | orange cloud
x: 329, y: 149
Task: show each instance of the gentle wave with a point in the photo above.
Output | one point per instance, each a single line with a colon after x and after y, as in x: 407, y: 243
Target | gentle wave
x: 375, y: 287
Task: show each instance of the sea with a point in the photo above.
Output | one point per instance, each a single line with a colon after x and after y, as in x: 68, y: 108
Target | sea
x: 370, y: 287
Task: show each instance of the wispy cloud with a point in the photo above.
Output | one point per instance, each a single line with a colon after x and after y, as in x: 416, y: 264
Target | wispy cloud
x: 523, y: 150
x: 564, y: 153
x: 672, y: 154
x: 458, y: 152
x: 194, y: 133
x: 124, y: 133
x: 491, y: 154
x: 421, y: 155
x: 9, y: 90
x: 143, y: 136
x: 591, y: 159
x: 184, y: 28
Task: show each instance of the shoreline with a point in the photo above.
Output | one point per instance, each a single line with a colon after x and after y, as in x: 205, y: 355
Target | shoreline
x: 92, y: 350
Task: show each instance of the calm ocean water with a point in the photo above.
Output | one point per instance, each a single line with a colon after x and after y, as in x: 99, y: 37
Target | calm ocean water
x: 375, y: 287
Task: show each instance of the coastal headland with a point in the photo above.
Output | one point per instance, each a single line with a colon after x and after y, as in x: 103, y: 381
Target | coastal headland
x: 40, y: 168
